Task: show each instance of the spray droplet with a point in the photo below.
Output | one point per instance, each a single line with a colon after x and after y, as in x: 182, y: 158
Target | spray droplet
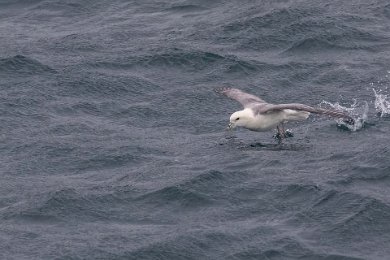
x: 382, y: 104
x: 356, y: 111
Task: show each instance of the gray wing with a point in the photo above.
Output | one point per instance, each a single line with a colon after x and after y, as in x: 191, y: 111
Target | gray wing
x: 245, y: 99
x: 300, y: 107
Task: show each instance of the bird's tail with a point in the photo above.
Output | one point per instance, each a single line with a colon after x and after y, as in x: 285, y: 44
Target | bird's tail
x: 295, y: 115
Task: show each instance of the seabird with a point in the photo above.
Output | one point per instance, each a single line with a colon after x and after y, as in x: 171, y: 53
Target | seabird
x: 259, y: 115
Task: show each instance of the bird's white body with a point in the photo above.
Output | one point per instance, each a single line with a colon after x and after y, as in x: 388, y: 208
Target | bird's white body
x: 263, y: 122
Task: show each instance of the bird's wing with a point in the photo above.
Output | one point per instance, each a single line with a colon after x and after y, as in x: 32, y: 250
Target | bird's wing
x: 245, y: 99
x: 300, y: 107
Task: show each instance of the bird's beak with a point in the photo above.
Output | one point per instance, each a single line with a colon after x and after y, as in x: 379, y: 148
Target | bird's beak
x: 231, y: 126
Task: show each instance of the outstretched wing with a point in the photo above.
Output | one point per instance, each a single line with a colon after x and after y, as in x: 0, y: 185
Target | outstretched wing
x: 245, y: 99
x: 300, y: 107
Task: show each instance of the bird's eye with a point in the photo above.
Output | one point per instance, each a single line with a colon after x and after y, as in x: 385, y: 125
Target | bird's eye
x: 237, y: 119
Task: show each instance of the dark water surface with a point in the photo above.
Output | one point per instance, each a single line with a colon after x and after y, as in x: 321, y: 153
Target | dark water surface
x: 113, y: 142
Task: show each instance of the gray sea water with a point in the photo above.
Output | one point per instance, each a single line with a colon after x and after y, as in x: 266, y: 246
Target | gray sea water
x: 113, y: 141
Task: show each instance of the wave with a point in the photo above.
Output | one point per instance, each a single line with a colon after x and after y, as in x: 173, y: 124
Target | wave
x: 175, y: 196
x: 228, y: 245
x: 106, y: 85
x: 271, y: 19
x: 313, y: 44
x: 181, y: 58
x: 47, y: 9
x: 187, y: 61
x: 325, y: 35
x: 191, y: 193
x: 51, y: 207
x: 303, y: 29
x: 366, y: 174
x: 72, y: 205
x: 281, y: 254
x: 185, y: 8
x: 20, y: 64
x: 339, y: 208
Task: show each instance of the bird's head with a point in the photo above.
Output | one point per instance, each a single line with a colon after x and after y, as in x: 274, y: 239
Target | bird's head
x: 240, y: 118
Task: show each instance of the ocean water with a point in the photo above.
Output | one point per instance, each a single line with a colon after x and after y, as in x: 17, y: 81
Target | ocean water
x: 113, y: 141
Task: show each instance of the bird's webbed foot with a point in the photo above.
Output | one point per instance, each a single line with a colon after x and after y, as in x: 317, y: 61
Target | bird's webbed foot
x: 282, y: 134
x: 288, y: 133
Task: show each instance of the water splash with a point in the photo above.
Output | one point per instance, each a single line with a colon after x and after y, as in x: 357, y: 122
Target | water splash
x: 382, y: 104
x: 359, y: 112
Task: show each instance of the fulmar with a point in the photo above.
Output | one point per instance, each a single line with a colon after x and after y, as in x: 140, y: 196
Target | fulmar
x: 258, y: 115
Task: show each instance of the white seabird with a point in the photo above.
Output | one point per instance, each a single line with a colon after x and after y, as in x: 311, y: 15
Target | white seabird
x: 259, y: 115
